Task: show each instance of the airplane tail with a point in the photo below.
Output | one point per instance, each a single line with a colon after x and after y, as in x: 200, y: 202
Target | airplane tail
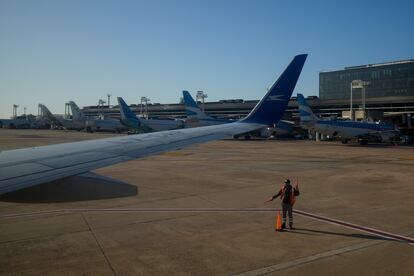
x: 77, y: 114
x: 128, y: 117
x: 47, y: 115
x: 191, y: 107
x: 271, y: 107
x: 305, y: 112
x: 45, y: 112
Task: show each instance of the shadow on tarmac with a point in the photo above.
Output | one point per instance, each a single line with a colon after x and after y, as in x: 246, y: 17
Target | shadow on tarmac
x: 317, y: 232
x: 76, y: 188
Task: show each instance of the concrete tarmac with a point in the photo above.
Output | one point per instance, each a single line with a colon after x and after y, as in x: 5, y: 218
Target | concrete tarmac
x: 367, y: 185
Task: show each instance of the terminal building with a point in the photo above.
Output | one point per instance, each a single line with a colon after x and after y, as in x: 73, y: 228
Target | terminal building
x: 389, y: 96
x: 392, y: 81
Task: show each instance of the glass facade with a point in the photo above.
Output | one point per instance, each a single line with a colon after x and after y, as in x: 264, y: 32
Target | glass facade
x: 395, y: 79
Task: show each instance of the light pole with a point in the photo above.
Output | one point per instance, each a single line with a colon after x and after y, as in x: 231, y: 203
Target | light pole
x: 359, y: 84
x: 364, y: 84
x: 145, y: 100
x: 109, y: 99
x: 201, y: 95
x: 67, y: 112
x: 15, y: 106
x: 101, y: 104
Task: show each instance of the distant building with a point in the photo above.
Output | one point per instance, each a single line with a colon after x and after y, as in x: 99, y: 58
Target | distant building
x: 389, y: 97
x: 387, y: 80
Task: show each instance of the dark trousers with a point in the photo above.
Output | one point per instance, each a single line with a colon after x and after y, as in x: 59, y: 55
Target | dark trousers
x: 287, y: 208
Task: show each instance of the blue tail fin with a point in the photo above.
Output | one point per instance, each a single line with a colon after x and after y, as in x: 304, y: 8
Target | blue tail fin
x: 271, y: 107
x: 188, y: 100
x: 128, y: 117
x: 305, y: 112
x: 191, y: 107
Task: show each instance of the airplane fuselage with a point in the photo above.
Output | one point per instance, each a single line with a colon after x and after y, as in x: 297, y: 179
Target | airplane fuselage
x: 110, y: 125
x: 352, y: 129
x: 160, y: 125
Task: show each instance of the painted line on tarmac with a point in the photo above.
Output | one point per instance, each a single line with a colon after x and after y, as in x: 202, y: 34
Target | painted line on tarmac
x: 143, y: 210
x: 361, y: 228
x: 366, y: 229
x: 308, y: 259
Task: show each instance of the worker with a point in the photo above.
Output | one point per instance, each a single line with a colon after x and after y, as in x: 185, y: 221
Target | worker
x: 287, y: 194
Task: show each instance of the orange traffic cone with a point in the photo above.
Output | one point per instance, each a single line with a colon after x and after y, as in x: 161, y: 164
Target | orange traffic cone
x: 278, y: 222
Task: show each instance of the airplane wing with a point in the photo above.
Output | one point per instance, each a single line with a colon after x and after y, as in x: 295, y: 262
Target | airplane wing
x: 27, y: 167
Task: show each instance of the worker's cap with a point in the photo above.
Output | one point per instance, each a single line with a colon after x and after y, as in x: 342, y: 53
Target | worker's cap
x: 287, y: 181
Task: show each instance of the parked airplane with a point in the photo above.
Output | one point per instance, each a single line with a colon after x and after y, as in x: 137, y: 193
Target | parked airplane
x: 346, y: 130
x: 77, y: 114
x: 58, y: 120
x: 92, y: 124
x: 196, y: 117
x: 27, y: 167
x: 131, y: 120
x: 78, y: 120
x: 46, y: 119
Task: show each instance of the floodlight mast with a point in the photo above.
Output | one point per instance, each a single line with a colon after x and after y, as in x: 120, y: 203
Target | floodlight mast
x: 358, y: 84
x: 201, y: 95
x: 15, y: 106
x: 109, y: 99
x: 144, y: 100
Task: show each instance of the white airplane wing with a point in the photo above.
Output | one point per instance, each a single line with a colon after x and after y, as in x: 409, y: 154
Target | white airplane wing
x: 27, y: 167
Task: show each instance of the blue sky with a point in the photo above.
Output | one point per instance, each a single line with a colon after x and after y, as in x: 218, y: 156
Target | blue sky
x: 60, y: 50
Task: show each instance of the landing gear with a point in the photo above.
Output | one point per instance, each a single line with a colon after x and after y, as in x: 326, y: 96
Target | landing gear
x: 344, y: 141
x: 363, y: 142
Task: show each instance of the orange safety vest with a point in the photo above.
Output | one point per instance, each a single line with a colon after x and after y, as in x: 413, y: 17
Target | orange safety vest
x: 292, y: 195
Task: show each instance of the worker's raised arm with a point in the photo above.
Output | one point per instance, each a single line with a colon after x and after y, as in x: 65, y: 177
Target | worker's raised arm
x: 278, y: 194
x: 296, y: 191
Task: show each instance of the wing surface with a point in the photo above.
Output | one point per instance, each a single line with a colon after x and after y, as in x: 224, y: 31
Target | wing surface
x: 27, y: 167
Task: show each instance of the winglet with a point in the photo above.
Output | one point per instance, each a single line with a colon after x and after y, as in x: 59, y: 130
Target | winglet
x: 271, y: 107
x: 128, y: 117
